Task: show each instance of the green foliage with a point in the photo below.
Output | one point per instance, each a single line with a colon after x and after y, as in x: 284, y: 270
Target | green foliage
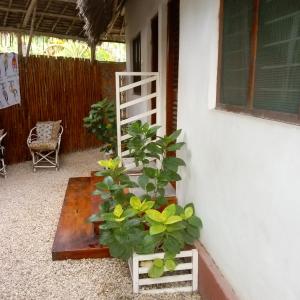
x: 141, y: 224
x: 145, y: 145
x: 101, y: 121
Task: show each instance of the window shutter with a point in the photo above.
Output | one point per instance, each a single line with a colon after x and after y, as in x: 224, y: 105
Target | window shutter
x: 277, y: 85
x: 236, y: 51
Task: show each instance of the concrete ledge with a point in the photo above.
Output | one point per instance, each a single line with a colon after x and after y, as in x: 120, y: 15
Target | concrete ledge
x: 212, y: 284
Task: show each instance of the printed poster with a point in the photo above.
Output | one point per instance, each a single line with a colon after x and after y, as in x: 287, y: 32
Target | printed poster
x: 9, y: 80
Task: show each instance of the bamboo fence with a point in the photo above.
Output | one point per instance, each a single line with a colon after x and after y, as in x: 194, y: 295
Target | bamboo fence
x: 56, y: 89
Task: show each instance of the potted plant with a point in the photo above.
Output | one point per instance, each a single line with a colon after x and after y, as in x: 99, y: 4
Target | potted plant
x: 101, y: 121
x: 156, y: 237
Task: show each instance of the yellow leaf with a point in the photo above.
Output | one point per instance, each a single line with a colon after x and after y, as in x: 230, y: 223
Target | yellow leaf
x: 173, y: 219
x: 118, y: 211
x: 135, y: 202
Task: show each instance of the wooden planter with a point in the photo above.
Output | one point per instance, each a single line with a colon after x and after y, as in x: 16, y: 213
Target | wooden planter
x: 186, y: 271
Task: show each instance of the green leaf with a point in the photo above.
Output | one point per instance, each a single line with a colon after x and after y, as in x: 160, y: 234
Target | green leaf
x: 158, y: 263
x: 129, y: 213
x: 172, y: 163
x: 118, y: 210
x: 135, y: 202
x: 193, y: 231
x: 143, y: 180
x: 109, y: 225
x: 102, y: 186
x: 155, y: 215
x: 154, y: 148
x: 94, y: 218
x: 175, y: 227
x: 195, y: 221
x: 108, y: 180
x: 170, y: 264
x: 150, y: 187
x: 150, y: 172
x: 133, y: 222
x: 175, y: 147
x: 156, y: 272
x: 156, y: 229
x: 147, y: 205
x: 188, y: 212
x: 173, y: 219
x: 171, y: 245
x: 175, y: 135
x: 169, y: 211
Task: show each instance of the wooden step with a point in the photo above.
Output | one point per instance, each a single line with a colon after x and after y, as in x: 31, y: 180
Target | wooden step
x: 75, y: 238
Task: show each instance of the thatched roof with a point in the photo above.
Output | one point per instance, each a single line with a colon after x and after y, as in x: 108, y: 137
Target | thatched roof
x: 63, y: 19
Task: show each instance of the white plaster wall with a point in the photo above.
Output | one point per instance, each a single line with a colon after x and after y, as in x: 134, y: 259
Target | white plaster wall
x: 243, y: 173
x: 138, y: 15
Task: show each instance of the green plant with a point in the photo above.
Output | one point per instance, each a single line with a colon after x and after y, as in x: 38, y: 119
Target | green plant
x: 142, y: 224
x: 146, y: 145
x: 140, y: 228
x: 101, y: 121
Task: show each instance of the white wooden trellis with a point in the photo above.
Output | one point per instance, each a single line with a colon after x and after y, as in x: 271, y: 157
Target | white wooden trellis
x: 124, y: 100
x: 145, y: 285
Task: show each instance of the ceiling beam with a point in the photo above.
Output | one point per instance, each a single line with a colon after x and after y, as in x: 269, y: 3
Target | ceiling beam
x: 57, y: 21
x: 6, y: 15
x: 31, y: 31
x: 41, y: 17
x: 30, y: 9
x: 112, y: 38
x: 17, y: 10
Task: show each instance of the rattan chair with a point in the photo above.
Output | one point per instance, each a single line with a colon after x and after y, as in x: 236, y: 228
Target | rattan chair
x: 44, y: 144
x: 3, y: 171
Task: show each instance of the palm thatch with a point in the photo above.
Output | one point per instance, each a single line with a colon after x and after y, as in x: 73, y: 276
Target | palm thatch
x: 97, y: 15
x: 59, y: 18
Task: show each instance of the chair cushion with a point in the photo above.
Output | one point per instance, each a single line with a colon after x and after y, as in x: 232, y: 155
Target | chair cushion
x: 43, y: 145
x: 55, y: 129
x: 47, y: 130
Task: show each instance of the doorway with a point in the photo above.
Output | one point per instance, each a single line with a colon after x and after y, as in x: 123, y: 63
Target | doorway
x: 172, y: 65
x: 154, y: 60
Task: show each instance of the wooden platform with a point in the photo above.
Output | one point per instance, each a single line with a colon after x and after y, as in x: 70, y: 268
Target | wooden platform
x: 75, y: 238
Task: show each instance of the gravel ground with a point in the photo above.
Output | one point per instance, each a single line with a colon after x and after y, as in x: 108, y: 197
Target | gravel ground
x: 30, y: 205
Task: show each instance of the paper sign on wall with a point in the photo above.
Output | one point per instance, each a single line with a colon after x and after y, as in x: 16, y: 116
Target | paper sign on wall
x: 9, y: 80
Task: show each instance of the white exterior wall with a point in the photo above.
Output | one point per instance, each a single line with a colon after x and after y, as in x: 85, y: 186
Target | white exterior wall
x: 243, y: 173
x: 138, y: 16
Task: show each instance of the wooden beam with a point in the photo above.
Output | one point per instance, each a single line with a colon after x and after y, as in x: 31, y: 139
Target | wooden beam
x: 17, y: 10
x: 57, y: 21
x: 31, y: 32
x: 6, y: 15
x: 70, y: 27
x: 93, y: 52
x: 29, y: 11
x: 41, y: 17
x: 252, y: 67
x: 116, y: 14
x: 20, y: 48
x: 111, y: 38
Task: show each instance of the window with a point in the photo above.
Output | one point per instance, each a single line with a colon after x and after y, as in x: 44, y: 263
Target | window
x: 136, y: 61
x: 260, y: 58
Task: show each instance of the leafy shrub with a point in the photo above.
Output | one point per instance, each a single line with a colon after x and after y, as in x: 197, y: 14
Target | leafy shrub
x: 101, y: 121
x: 145, y: 224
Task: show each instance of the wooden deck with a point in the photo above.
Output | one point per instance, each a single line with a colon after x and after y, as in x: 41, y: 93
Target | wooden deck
x: 75, y: 237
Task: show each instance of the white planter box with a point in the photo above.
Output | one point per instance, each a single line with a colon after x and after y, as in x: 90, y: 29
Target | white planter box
x: 188, y: 274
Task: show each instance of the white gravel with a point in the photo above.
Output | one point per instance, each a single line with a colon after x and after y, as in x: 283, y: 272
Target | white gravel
x: 30, y: 205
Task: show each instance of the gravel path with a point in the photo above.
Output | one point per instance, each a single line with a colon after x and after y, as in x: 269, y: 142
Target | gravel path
x: 30, y: 205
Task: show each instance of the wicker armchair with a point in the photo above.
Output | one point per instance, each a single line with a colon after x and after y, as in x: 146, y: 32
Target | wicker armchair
x: 44, y: 144
x: 3, y: 171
